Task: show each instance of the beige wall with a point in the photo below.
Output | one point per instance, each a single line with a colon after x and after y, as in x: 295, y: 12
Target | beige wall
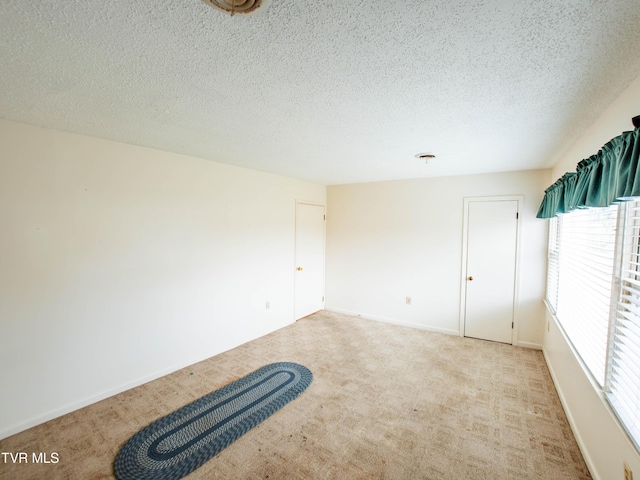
x: 604, y: 444
x: 119, y: 264
x: 389, y: 240
x: 613, y: 121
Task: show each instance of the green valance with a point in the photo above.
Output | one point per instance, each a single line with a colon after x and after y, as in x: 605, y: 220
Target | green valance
x: 611, y: 175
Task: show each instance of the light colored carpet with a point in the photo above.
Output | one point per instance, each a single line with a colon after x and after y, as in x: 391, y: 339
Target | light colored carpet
x: 386, y: 402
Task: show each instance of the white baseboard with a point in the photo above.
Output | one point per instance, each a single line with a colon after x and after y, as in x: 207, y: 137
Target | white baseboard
x: 535, y: 346
x: 58, y: 412
x: 394, y: 321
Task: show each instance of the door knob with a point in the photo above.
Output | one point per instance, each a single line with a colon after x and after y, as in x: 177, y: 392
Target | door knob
x: 299, y: 269
x: 470, y: 278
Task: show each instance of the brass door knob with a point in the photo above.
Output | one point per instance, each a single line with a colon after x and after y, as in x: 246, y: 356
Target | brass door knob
x: 299, y: 269
x: 470, y: 278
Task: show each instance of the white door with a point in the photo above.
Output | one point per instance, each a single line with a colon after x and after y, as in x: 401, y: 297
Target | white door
x: 309, y: 269
x: 491, y: 248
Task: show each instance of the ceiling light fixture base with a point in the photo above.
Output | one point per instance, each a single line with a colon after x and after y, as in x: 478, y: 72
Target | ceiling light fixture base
x: 242, y: 8
x: 425, y: 156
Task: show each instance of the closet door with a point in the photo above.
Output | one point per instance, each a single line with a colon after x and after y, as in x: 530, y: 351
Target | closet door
x: 309, y: 270
x: 490, y: 276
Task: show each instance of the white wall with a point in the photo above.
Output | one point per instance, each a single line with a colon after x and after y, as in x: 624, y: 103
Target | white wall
x: 389, y: 240
x: 119, y: 264
x: 613, y: 121
x: 603, y: 443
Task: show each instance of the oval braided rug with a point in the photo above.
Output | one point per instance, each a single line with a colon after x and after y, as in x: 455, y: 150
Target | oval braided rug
x: 175, y: 445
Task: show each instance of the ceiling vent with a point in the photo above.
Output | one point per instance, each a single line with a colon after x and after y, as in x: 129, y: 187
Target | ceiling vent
x: 425, y: 156
x: 239, y: 7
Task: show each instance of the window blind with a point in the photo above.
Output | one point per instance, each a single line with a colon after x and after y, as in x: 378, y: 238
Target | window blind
x: 553, y: 265
x: 586, y: 249
x: 623, y: 369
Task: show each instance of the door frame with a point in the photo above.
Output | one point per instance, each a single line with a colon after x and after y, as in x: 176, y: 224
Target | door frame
x: 295, y: 253
x: 463, y: 274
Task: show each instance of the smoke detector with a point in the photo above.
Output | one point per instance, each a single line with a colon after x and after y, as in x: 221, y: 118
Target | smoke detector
x: 239, y: 7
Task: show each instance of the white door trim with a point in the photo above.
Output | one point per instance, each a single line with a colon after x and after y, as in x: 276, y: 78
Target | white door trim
x: 463, y: 275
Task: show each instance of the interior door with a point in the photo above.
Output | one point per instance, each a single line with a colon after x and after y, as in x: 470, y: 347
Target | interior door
x: 309, y: 269
x: 492, y: 229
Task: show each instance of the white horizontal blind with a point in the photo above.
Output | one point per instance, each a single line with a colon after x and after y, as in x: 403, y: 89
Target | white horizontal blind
x: 553, y: 265
x: 623, y: 373
x: 586, y: 249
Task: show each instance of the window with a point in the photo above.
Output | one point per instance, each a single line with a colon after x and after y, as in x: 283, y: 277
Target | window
x: 585, y: 248
x: 593, y: 287
x: 623, y: 366
x: 553, y: 265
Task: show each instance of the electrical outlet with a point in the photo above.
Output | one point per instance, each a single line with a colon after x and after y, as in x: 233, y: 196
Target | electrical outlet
x: 548, y: 326
x: 628, y: 474
x: 407, y: 300
x: 267, y: 305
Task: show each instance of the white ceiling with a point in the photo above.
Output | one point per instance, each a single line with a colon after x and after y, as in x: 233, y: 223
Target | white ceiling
x: 327, y: 91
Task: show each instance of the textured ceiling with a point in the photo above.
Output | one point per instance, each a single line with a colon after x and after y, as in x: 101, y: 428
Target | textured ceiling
x: 331, y: 92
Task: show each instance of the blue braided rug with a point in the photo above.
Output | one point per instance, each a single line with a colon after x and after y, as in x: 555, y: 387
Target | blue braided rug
x: 175, y: 445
